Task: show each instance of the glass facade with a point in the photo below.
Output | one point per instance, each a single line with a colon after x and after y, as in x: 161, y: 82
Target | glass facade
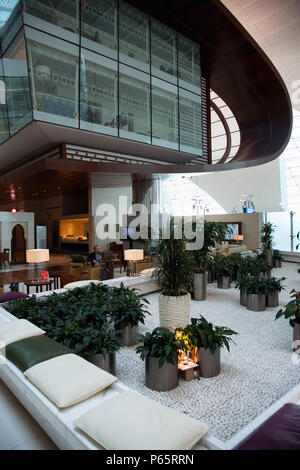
x: 106, y: 67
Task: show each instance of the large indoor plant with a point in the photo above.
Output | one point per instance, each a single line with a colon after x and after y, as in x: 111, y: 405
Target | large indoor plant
x: 242, y: 284
x: 128, y: 309
x: 277, y: 259
x: 267, y: 240
x: 173, y: 271
x: 224, y: 270
x: 273, y: 287
x: 256, y: 294
x: 204, y: 341
x: 160, y: 350
x: 213, y: 232
x: 292, y: 313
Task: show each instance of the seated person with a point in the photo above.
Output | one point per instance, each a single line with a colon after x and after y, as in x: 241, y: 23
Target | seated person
x: 95, y: 258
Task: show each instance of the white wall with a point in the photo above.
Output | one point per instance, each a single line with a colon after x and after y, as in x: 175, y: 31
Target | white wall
x: 108, y: 196
x: 264, y: 181
x: 7, y: 222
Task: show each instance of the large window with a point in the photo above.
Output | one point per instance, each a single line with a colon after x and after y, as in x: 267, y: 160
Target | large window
x: 135, y: 120
x: 190, y: 122
x: 134, y: 37
x: 164, y: 114
x: 4, y: 132
x: 189, y: 72
x: 98, y: 93
x: 18, y: 98
x: 163, y: 51
x: 99, y: 26
x: 54, y: 74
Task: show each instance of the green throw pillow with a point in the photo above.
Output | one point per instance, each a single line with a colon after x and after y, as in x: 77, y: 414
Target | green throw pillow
x: 30, y: 351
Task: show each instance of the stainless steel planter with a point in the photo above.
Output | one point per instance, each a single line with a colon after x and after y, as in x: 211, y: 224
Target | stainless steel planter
x: 161, y: 379
x: 128, y: 335
x: 268, y: 255
x: 272, y: 299
x: 209, y: 364
x: 277, y: 263
x: 199, y: 286
x: 243, y: 298
x: 210, y: 277
x: 256, y: 302
x: 224, y: 282
x: 296, y: 335
x: 107, y: 363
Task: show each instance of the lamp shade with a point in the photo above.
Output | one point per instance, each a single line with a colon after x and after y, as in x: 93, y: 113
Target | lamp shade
x: 37, y: 256
x: 239, y: 237
x: 133, y: 255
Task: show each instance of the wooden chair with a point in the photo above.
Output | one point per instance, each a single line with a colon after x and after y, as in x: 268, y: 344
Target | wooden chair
x: 4, y: 258
x: 67, y: 278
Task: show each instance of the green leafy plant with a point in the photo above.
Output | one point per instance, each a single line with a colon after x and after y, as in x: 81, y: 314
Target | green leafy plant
x: 277, y: 255
x: 267, y: 238
x: 274, y: 284
x: 127, y: 308
x: 223, y: 266
x: 292, y: 310
x: 174, y: 266
x: 161, y: 343
x: 213, y: 232
x: 89, y: 341
x: 243, y: 283
x: 256, y: 285
x: 203, y: 334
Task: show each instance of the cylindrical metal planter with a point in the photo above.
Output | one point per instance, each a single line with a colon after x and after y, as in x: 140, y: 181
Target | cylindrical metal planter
x: 268, y: 255
x: 174, y: 311
x: 107, y: 363
x: 277, y: 263
x: 243, y: 298
x: 272, y: 299
x: 210, y: 277
x: 296, y: 335
x: 209, y: 363
x: 199, y: 286
x: 224, y: 282
x: 256, y: 302
x: 161, y: 379
x: 128, y: 335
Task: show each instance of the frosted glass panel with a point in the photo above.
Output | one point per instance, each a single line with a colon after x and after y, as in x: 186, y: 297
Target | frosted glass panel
x: 282, y: 231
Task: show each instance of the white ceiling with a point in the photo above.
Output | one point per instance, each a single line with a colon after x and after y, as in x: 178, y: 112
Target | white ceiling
x: 275, y: 26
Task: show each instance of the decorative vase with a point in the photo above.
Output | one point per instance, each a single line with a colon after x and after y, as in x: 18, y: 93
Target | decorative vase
x: 174, y: 311
x: 199, y: 286
x: 107, y: 363
x: 209, y: 363
x: 128, y: 335
x: 243, y: 298
x: 224, y: 282
x: 161, y: 379
x: 272, y: 299
x: 256, y: 302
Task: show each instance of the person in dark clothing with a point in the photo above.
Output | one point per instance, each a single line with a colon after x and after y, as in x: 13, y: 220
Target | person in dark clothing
x: 96, y: 257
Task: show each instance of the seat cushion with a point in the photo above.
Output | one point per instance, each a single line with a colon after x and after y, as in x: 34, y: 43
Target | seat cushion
x: 10, y: 296
x: 69, y: 379
x: 27, y: 352
x: 146, y: 272
x: 73, y: 285
x: 18, y: 329
x: 130, y: 421
x: 280, y: 432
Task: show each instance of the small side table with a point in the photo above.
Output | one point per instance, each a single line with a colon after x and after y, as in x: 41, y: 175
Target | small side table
x: 187, y: 370
x: 38, y: 284
x: 56, y: 277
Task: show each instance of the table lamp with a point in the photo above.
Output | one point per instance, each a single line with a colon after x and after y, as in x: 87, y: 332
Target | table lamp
x: 133, y: 256
x: 39, y: 255
x: 239, y: 238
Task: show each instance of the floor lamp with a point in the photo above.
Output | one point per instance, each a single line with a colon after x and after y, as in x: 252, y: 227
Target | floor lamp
x: 40, y: 255
x: 133, y: 256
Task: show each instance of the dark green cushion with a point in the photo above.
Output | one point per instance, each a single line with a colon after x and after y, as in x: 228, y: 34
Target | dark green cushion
x: 30, y: 351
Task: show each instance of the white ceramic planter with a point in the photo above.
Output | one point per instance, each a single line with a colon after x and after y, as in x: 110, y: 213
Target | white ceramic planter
x: 174, y: 311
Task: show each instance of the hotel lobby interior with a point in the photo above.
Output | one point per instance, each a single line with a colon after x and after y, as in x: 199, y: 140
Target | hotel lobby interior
x: 150, y: 226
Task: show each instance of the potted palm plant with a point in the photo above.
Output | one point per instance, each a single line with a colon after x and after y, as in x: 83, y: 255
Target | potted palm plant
x: 277, y: 259
x: 160, y: 350
x: 204, y: 341
x: 292, y: 313
x: 273, y: 287
x: 127, y: 311
x: 267, y: 239
x: 256, y: 294
x: 224, y: 269
x: 214, y: 232
x: 174, y: 269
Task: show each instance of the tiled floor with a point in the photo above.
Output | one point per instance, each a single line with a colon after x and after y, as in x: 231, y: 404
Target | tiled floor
x: 18, y: 430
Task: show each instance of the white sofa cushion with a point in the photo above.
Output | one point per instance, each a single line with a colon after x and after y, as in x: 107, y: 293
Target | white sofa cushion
x: 68, y: 379
x: 146, y: 272
x: 16, y: 330
x: 130, y: 421
x: 73, y: 285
